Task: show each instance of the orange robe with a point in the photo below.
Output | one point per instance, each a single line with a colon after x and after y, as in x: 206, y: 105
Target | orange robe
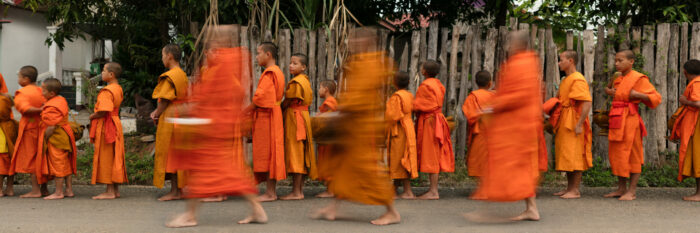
x: 687, y: 131
x: 625, y: 149
x: 172, y: 86
x: 108, y: 166
x: 324, y: 151
x: 25, y: 157
x: 3, y: 85
x: 58, y: 154
x: 572, y: 151
x: 214, y: 165
x: 359, y: 175
x: 299, y: 151
x: 8, y: 135
x: 401, y: 135
x: 513, y: 131
x: 476, y: 141
x: 434, y: 144
x: 268, y: 131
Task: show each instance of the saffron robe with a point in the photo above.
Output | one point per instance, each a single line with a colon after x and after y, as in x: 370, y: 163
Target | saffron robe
x: 58, y: 153
x: 625, y: 148
x: 299, y: 151
x: 8, y: 135
x: 687, y: 132
x: 477, y: 153
x: 268, y: 131
x: 330, y: 104
x: 25, y: 157
x: 401, y: 136
x: 3, y: 85
x: 572, y: 151
x: 434, y: 144
x: 172, y: 86
x: 513, y: 131
x: 359, y: 175
x: 108, y: 166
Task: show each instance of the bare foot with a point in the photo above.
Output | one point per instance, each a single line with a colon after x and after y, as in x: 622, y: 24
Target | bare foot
x: 182, y: 220
x: 407, y: 196
x: 118, y: 195
x: 628, y: 197
x: 529, y: 215
x: 170, y: 196
x: 104, y: 196
x: 695, y: 197
x: 54, y: 196
x: 617, y: 193
x: 388, y: 218
x: 562, y: 192
x: 215, y: 199
x: 9, y: 192
x: 292, y: 196
x: 31, y: 195
x: 267, y: 197
x: 571, y: 195
x: 69, y: 193
x: 325, y: 194
x: 327, y: 213
x: 1, y: 194
x: 258, y: 217
x: 429, y: 196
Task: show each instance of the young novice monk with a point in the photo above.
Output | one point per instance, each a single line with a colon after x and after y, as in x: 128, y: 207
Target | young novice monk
x: 28, y: 101
x: 56, y: 140
x: 401, y: 135
x: 170, y: 91
x: 572, y: 141
x: 330, y: 104
x: 476, y: 140
x: 106, y: 134
x: 626, y: 127
x: 434, y: 144
x: 8, y: 135
x: 268, y: 134
x: 686, y: 128
x: 298, y: 147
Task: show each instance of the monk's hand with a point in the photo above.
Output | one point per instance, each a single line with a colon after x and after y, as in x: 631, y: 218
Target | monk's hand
x: 579, y: 129
x: 610, y: 91
x: 683, y: 100
x: 49, y: 132
x: 154, y: 116
x: 487, y: 110
x: 636, y: 95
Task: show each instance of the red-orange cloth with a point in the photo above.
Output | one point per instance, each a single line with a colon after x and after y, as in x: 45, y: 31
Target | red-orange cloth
x: 56, y: 161
x: 401, y: 136
x: 25, y: 157
x: 268, y: 130
x: 3, y: 85
x: 108, y: 165
x: 9, y: 129
x: 330, y: 104
x: 434, y: 144
x: 476, y: 141
x: 212, y: 154
x: 684, y: 127
x: 513, y: 131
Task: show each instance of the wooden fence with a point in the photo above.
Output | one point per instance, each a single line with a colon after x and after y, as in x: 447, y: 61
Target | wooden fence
x: 464, y: 50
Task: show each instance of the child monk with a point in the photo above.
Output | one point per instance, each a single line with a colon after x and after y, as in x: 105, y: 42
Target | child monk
x: 434, y: 144
x: 56, y: 140
x: 401, y: 135
x: 28, y: 101
x: 626, y: 127
x: 299, y: 151
x: 686, y: 128
x: 8, y: 135
x: 472, y: 108
x: 268, y: 133
x: 170, y: 91
x: 106, y: 134
x: 330, y: 104
x: 572, y: 141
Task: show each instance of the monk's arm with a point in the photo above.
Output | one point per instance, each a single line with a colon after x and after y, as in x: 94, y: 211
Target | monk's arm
x: 585, y: 109
x: 638, y: 95
x: 162, y: 105
x: 32, y: 110
x: 684, y: 101
x: 49, y: 131
x: 98, y: 115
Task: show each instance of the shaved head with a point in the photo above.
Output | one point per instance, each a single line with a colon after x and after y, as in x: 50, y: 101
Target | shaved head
x: 629, y: 54
x: 518, y: 41
x: 571, y: 54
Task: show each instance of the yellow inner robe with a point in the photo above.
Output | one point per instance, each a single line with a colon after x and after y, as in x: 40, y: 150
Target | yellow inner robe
x: 299, y: 151
x: 172, y: 86
x: 691, y: 164
x: 572, y: 151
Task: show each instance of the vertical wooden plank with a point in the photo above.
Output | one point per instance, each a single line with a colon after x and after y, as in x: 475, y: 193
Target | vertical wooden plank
x: 296, y: 40
x: 320, y: 63
x: 695, y: 42
x: 423, y: 52
x: 649, y: 115
x: 392, y: 52
x: 588, y: 55
x: 330, y: 59
x: 477, y: 52
x: 579, y: 51
x: 403, y: 62
x: 636, y: 39
x: 660, y: 77
x: 673, y: 78
x: 285, y: 53
x: 464, y: 87
x: 533, y: 38
x: 542, y: 48
x: 610, y: 45
x: 442, y: 58
x: 490, y: 49
x: 453, y: 82
x: 552, y: 69
x: 304, y: 46
x: 246, y: 68
x: 500, y: 50
x: 254, y: 42
x: 600, y: 143
x: 525, y: 27
x: 415, y: 56
x: 513, y: 23
x: 683, y: 52
x: 569, y: 40
x: 311, y: 69
x: 623, y: 31
x: 433, y: 40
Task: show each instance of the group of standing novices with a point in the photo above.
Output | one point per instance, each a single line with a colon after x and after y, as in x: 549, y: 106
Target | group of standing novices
x: 206, y: 162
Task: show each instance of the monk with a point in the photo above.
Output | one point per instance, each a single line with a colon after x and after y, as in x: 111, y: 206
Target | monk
x: 8, y: 135
x: 330, y: 104
x: 299, y: 151
x: 170, y: 91
x: 434, y: 144
x: 108, y: 166
x: 3, y: 85
x: 686, y: 128
x: 28, y: 101
x: 268, y: 133
x: 56, y: 140
x: 572, y: 141
x: 512, y: 131
x: 401, y: 136
x: 358, y: 175
x: 625, y: 149
x: 216, y: 166
x: 472, y: 108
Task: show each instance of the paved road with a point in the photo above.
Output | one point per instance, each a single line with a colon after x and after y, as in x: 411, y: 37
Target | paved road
x: 655, y: 210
